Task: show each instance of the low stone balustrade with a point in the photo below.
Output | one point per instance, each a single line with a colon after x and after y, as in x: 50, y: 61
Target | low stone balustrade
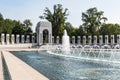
x: 7, y: 39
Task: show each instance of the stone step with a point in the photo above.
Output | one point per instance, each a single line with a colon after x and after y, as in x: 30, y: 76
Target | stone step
x: 19, y: 70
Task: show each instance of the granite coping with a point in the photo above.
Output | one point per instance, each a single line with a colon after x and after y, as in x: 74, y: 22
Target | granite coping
x: 19, y: 70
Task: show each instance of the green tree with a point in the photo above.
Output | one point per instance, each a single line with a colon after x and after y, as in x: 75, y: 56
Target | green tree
x: 7, y: 26
x: 70, y: 29
x: 28, y: 24
x: 19, y: 28
x: 81, y: 31
x: 1, y: 22
x: 1, y: 17
x: 92, y: 20
x: 57, y: 18
x: 15, y: 27
x: 110, y: 29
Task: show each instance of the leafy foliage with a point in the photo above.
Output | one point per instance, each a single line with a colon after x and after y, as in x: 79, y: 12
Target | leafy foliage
x: 57, y: 18
x: 92, y: 20
x: 93, y: 23
x: 15, y: 27
x: 110, y: 29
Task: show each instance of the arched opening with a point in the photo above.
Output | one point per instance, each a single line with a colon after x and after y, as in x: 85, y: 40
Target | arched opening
x: 45, y: 36
x: 44, y: 32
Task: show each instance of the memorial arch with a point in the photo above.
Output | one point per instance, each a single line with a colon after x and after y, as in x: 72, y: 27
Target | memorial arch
x: 44, y: 32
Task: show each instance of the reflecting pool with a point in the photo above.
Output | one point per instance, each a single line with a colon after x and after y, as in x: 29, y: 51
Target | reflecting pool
x: 66, y: 68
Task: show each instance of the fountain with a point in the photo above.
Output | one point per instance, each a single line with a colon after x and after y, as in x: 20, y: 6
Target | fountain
x: 83, y: 60
x: 65, y: 42
x: 88, y: 60
x: 89, y: 52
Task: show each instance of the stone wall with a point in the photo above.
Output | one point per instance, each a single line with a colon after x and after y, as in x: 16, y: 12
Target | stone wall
x: 7, y: 39
x: 91, y: 40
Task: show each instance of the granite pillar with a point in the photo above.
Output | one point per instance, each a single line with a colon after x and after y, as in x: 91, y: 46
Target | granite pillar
x: 7, y: 38
x: 89, y: 40
x: 17, y: 39
x: 95, y: 40
x: 106, y: 39
x: 33, y: 39
x: 78, y: 40
x: 73, y: 39
x: 2, y: 39
x: 100, y: 40
x: 118, y: 39
x: 22, y: 38
x: 12, y: 39
x: 58, y: 39
x: 112, y: 40
x: 84, y: 40
x: 53, y: 39
x: 28, y: 39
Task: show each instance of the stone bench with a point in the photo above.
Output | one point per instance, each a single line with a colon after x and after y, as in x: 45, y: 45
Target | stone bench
x: 19, y: 70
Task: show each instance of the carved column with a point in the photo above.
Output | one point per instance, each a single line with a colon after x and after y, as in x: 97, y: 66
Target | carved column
x: 95, y: 40
x: 7, y: 38
x: 84, y: 40
x: 2, y: 39
x: 73, y: 39
x: 12, y: 39
x: 78, y: 40
x: 22, y: 38
x: 58, y: 39
x: 33, y: 39
x: 17, y: 39
x: 100, y: 40
x: 106, y: 39
x: 112, y: 40
x: 53, y: 39
x: 118, y: 39
x: 28, y: 38
x: 89, y: 40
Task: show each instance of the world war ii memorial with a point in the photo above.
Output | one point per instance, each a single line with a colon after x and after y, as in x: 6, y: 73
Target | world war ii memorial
x: 58, y: 51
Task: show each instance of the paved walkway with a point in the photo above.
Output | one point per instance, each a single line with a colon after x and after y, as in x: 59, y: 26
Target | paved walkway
x: 1, y: 68
x: 22, y: 49
x: 19, y: 70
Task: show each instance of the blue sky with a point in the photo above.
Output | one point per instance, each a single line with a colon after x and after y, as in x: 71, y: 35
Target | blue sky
x: 32, y: 9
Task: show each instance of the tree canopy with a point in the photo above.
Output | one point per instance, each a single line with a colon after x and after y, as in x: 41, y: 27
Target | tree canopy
x: 93, y: 23
x: 15, y: 27
x: 92, y: 20
x: 57, y: 18
x: 110, y: 29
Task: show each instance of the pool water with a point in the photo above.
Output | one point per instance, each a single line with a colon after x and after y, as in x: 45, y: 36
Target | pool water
x: 62, y: 68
